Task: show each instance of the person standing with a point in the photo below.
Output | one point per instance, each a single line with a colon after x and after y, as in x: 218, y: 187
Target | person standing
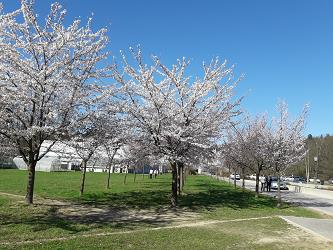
x: 269, y: 183
x: 263, y: 181
x: 151, y: 173
x: 266, y: 180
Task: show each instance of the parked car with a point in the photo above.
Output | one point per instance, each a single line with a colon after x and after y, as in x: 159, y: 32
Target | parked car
x: 299, y: 179
x: 289, y: 178
x: 313, y: 180
x: 295, y: 179
x: 302, y: 180
x: 252, y: 177
x: 274, y: 184
x: 232, y: 176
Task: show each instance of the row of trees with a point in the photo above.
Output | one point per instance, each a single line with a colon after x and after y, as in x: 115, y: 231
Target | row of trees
x: 57, y: 84
x: 259, y: 145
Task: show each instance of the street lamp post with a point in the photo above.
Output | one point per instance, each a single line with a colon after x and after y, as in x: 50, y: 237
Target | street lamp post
x: 316, y: 160
x: 307, y: 166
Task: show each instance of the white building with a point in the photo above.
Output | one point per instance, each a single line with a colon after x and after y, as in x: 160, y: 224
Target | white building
x: 60, y: 158
x: 63, y: 157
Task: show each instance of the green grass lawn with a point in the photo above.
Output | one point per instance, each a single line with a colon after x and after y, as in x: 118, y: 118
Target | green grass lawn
x: 65, y: 185
x: 239, y: 235
x: 206, y: 198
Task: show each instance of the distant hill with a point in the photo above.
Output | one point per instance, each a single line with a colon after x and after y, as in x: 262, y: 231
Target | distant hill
x: 321, y: 147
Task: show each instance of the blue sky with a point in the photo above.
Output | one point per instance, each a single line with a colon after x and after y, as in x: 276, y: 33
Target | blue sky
x: 284, y: 47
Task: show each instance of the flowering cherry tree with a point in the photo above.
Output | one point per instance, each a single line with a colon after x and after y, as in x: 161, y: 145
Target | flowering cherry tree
x: 286, y: 141
x: 87, y: 139
x: 236, y: 154
x: 274, y: 146
x: 178, y: 114
x: 85, y: 147
x: 247, y: 145
x: 117, y: 133
x: 48, y: 74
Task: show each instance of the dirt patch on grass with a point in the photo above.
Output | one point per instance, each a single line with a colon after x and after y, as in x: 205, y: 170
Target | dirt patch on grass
x: 89, y: 214
x: 83, y: 213
x: 37, y: 200
x: 16, y: 196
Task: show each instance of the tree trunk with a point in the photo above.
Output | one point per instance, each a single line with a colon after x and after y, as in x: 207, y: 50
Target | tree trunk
x: 109, y: 170
x: 235, y: 180
x: 143, y: 172
x: 243, y: 182
x: 174, y: 196
x: 31, y: 182
x: 109, y: 176
x: 229, y: 173
x: 178, y: 178
x: 125, y: 177
x: 183, y: 177
x: 221, y: 173
x: 134, y: 174
x: 279, y: 191
x: 84, y: 164
x: 257, y: 184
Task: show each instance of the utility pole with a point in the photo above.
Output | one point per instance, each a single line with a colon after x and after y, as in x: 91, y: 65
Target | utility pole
x: 316, y: 169
x: 307, y: 165
x: 316, y: 160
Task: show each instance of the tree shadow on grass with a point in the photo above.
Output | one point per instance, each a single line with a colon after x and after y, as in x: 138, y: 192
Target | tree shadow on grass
x: 40, y: 221
x: 212, y: 194
x: 50, y: 223
x: 128, y: 200
x: 201, y: 196
x: 235, y: 199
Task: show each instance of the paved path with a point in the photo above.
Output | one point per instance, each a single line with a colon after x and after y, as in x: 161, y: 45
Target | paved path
x: 320, y: 227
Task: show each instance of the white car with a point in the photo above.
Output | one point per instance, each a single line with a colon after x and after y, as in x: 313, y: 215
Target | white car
x: 289, y: 178
x: 232, y: 176
x: 252, y: 177
x: 274, y: 184
x: 313, y: 180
